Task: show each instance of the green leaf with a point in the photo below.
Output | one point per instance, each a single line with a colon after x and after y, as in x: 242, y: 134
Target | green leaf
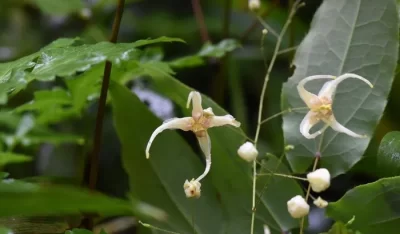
x: 208, y: 50
x: 9, y: 157
x: 4, y: 230
x: 151, y: 180
x: 345, y: 37
x: 388, y: 160
x: 145, y: 42
x: 381, y: 198
x: 59, y: 7
x: 230, y: 174
x: 21, y: 198
x: 340, y: 228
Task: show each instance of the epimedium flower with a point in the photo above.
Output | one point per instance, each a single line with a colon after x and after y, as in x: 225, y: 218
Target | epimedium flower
x: 321, y: 105
x: 200, y: 121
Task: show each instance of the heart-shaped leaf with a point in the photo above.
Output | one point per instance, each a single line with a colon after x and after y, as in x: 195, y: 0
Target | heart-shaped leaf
x: 345, y: 37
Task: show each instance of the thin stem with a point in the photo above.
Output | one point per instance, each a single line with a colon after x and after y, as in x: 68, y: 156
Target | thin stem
x: 269, y: 28
x: 295, y: 7
x: 94, y: 157
x: 255, y: 23
x: 282, y: 175
x: 282, y: 113
x: 317, y: 158
x: 198, y: 13
x: 156, y: 228
x: 287, y: 50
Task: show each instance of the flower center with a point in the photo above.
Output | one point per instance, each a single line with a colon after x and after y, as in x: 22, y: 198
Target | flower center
x: 322, y: 107
x: 200, y: 125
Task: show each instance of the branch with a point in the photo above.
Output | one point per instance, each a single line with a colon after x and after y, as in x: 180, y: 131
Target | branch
x: 198, y: 13
x: 94, y: 156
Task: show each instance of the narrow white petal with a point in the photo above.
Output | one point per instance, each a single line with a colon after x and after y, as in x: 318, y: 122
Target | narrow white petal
x: 307, y: 123
x: 329, y: 88
x: 205, y: 145
x: 217, y: 121
x: 197, y: 110
x: 306, y: 95
x: 335, y: 125
x: 175, y: 123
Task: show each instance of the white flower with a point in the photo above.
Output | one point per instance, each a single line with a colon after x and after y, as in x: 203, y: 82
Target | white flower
x: 298, y: 207
x: 321, y: 105
x: 267, y: 230
x: 319, y: 179
x: 248, y: 152
x: 321, y: 203
x: 254, y: 5
x: 199, y: 122
x: 192, y: 188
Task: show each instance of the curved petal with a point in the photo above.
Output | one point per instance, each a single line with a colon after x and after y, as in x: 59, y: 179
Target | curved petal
x: 197, y: 110
x: 217, y: 121
x: 335, y: 125
x: 205, y: 145
x: 307, y: 123
x: 306, y: 95
x: 329, y: 88
x: 175, y: 123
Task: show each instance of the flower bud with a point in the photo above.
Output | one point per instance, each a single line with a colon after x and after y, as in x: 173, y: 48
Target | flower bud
x: 319, y: 179
x: 254, y: 5
x: 321, y: 203
x: 248, y: 152
x: 267, y: 230
x: 192, y: 188
x: 289, y: 147
x: 298, y: 207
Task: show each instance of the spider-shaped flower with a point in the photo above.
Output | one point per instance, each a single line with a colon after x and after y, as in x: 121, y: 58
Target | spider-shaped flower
x: 321, y: 105
x: 199, y: 122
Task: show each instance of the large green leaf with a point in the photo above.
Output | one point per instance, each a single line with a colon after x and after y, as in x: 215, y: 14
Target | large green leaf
x: 21, y: 198
x: 159, y: 180
x: 360, y: 37
x: 375, y: 207
x: 388, y: 160
x: 9, y: 157
x: 230, y: 174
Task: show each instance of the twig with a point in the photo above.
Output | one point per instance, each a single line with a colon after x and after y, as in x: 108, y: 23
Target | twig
x: 198, y: 13
x: 290, y: 49
x: 94, y: 156
x: 282, y: 113
x: 295, y: 7
x: 269, y: 28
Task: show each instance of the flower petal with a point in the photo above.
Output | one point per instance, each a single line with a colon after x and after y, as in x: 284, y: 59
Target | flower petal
x: 205, y: 145
x: 306, y: 95
x: 307, y: 123
x: 197, y: 110
x: 329, y: 88
x: 175, y: 123
x: 217, y: 121
x: 335, y: 125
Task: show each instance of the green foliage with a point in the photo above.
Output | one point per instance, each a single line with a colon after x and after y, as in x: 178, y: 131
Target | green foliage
x: 346, y: 36
x: 341, y: 228
x: 59, y: 7
x: 8, y: 158
x: 388, y: 160
x: 4, y: 230
x: 82, y: 231
x: 41, y: 199
x: 380, y: 198
x: 208, y: 50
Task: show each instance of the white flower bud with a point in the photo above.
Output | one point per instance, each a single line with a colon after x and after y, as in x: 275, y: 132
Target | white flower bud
x: 319, y: 179
x: 192, y: 188
x: 248, y: 152
x: 321, y: 203
x: 264, y: 31
x: 267, y: 230
x: 298, y: 207
x: 254, y: 5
